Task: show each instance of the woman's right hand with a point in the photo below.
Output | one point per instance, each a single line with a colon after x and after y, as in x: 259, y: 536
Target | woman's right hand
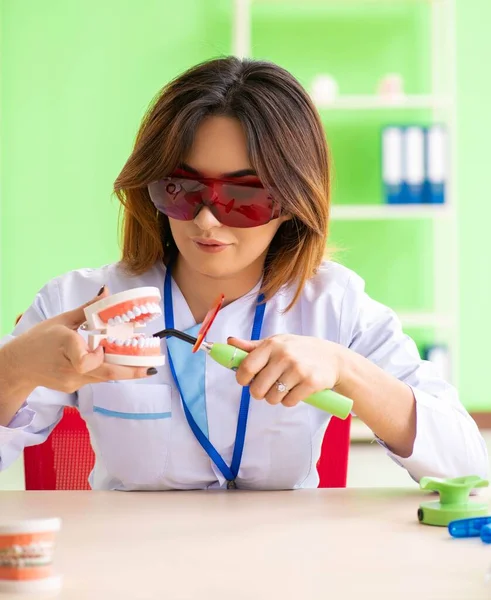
x: 53, y: 354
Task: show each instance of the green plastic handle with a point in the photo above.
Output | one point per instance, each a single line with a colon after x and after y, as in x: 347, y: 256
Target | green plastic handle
x: 327, y: 400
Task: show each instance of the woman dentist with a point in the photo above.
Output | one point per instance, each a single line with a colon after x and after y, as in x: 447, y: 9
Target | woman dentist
x: 227, y: 191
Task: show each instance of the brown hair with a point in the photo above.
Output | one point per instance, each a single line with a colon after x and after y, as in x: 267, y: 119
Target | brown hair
x: 286, y: 145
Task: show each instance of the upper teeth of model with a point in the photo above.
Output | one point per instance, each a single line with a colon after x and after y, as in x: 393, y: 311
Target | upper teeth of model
x: 150, y: 308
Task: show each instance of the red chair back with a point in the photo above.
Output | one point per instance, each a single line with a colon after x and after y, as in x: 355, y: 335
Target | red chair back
x: 333, y: 462
x: 65, y: 460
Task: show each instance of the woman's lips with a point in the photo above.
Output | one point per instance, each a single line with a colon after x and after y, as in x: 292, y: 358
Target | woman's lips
x: 210, y: 246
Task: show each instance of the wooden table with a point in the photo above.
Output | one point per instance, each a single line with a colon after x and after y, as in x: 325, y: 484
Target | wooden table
x: 312, y: 544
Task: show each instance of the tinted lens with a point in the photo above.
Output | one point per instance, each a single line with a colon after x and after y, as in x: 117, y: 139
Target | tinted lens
x: 231, y: 204
x: 243, y: 205
x: 177, y: 198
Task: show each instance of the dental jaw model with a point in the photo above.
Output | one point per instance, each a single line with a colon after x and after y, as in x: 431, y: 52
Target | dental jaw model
x: 26, y: 557
x: 114, y: 323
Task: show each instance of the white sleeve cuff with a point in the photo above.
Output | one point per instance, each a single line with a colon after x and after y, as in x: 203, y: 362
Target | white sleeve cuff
x: 20, y: 421
x: 448, y: 442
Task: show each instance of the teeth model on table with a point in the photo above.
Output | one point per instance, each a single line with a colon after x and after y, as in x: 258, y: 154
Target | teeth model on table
x: 114, y: 323
x: 26, y: 556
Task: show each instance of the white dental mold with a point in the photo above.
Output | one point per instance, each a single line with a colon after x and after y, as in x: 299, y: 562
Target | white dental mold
x: 114, y: 323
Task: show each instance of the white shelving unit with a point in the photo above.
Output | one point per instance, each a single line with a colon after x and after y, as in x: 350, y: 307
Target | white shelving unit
x: 444, y: 319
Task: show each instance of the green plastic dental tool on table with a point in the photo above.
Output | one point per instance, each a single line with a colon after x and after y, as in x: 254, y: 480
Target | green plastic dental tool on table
x: 454, y: 500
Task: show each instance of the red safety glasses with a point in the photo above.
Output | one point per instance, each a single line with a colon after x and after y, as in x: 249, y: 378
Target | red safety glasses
x: 181, y: 196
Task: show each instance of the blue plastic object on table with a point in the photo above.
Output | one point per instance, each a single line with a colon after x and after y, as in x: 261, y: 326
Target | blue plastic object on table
x: 486, y: 534
x: 464, y: 528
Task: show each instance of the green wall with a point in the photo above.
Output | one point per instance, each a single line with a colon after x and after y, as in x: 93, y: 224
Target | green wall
x: 77, y: 77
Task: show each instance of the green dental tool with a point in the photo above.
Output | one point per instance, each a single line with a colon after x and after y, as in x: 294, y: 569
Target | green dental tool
x: 454, y: 500
x: 328, y: 400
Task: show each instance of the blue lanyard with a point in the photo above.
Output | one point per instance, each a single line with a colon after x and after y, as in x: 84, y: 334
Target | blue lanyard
x: 230, y: 473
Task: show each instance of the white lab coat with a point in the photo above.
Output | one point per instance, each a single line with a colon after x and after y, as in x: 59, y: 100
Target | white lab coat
x: 282, y: 445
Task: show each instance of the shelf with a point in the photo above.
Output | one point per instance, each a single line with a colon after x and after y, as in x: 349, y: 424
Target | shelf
x: 381, y: 212
x: 426, y: 320
x: 373, y: 102
x: 361, y: 102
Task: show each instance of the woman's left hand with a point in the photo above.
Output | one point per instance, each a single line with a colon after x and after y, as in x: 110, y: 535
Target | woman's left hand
x: 304, y: 365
